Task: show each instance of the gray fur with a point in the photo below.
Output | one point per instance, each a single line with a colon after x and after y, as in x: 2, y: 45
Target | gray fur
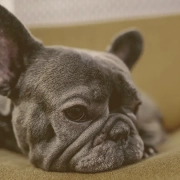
x: 43, y: 82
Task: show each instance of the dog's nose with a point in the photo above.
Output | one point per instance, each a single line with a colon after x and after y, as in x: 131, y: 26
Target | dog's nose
x: 120, y: 131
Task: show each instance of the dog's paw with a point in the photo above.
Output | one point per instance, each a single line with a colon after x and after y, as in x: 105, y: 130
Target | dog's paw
x: 149, y: 151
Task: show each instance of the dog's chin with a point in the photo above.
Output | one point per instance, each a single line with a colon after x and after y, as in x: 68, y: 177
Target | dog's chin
x: 108, y: 155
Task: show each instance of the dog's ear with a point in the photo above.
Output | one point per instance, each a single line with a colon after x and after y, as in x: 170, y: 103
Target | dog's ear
x: 16, y: 44
x: 127, y: 46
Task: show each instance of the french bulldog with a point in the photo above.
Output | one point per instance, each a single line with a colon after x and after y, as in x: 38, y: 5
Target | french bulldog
x: 70, y: 109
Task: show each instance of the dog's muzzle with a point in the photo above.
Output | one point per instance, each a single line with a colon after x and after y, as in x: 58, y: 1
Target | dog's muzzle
x: 104, y: 145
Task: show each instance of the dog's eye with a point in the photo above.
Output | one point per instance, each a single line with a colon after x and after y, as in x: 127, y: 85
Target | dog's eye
x: 76, y: 113
x: 135, y: 110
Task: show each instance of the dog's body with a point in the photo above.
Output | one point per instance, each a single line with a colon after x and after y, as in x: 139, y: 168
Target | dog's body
x: 74, y: 109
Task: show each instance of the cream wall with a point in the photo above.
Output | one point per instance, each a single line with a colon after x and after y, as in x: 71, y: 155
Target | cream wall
x: 67, y: 12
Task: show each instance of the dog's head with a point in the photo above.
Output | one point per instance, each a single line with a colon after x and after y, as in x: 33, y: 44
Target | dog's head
x: 74, y: 109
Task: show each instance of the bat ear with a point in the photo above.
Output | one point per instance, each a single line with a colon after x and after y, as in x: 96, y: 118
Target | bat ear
x: 16, y: 44
x: 127, y: 46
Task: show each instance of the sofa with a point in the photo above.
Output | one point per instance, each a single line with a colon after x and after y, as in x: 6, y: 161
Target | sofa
x: 157, y: 73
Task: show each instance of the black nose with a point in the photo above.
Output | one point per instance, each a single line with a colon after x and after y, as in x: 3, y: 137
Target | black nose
x: 120, y: 131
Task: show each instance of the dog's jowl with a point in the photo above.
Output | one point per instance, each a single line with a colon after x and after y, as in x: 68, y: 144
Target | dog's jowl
x: 73, y: 109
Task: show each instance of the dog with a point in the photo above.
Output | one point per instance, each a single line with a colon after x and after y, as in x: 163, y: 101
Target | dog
x: 70, y: 109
